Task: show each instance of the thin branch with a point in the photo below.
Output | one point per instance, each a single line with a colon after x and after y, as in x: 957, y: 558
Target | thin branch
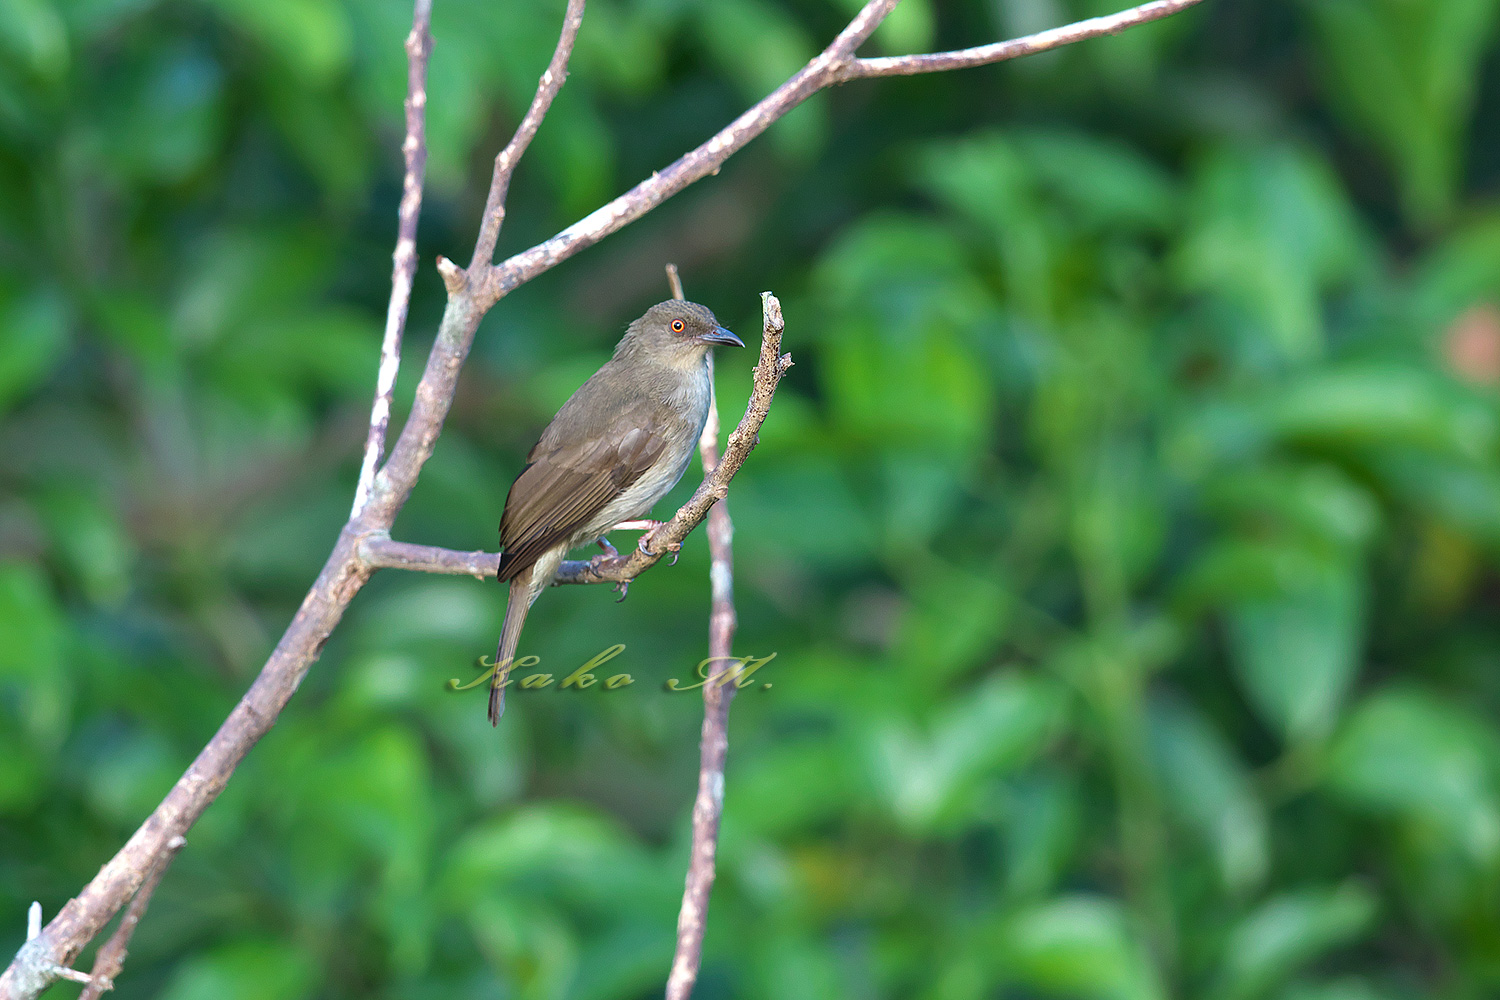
x: 713, y: 745
x: 982, y: 55
x: 33, y: 969
x: 111, y: 957
x: 467, y: 303
x: 404, y: 266
x: 470, y: 294
x: 86, y: 914
x: 835, y: 64
x: 505, y: 163
x: 821, y: 72
x: 383, y: 553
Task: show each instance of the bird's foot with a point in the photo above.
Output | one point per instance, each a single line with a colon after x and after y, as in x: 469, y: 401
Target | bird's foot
x: 608, y: 547
x: 622, y: 588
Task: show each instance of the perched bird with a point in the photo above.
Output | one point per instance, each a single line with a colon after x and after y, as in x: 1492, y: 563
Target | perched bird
x: 615, y: 448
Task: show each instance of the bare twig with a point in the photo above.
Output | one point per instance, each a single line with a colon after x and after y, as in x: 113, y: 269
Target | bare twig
x: 380, y: 552
x: 471, y: 293
x: 404, y: 266
x: 467, y: 303
x: 713, y: 745
x: 35, y: 969
x: 821, y: 72
x: 111, y: 957
x: 835, y: 64
x: 505, y: 163
x: 983, y: 55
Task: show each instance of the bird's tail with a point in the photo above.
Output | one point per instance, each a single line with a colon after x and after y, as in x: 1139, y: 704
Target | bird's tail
x: 516, y: 606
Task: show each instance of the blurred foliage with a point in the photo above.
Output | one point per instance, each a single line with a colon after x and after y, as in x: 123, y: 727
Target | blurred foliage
x: 1127, y: 534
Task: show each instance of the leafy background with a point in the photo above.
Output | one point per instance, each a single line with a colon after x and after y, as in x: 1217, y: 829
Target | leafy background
x: 1126, y: 534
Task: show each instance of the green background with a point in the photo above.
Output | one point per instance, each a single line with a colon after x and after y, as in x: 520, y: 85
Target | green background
x: 1126, y: 533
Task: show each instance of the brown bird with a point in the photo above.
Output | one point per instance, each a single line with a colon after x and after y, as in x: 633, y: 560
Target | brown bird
x: 615, y: 448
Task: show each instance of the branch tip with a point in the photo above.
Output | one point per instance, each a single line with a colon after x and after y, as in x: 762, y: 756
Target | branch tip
x: 455, y: 279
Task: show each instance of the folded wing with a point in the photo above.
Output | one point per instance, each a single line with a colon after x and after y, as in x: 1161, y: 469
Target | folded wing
x: 568, y: 484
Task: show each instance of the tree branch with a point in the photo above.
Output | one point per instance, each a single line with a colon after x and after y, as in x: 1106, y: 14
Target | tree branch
x: 821, y: 72
x: 466, y: 304
x: 835, y: 64
x: 111, y: 957
x: 404, y: 267
x: 505, y: 163
x: 471, y: 293
x: 713, y: 744
x: 982, y: 55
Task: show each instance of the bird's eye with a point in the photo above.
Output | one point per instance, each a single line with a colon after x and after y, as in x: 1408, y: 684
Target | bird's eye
x: 677, y: 326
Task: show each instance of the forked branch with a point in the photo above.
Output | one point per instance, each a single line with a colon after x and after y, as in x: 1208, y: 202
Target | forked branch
x: 404, y: 264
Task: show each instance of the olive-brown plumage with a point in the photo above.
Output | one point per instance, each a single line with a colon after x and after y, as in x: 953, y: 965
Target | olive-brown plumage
x: 615, y: 448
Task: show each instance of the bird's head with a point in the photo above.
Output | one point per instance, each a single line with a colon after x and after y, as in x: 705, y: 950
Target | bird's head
x: 678, y: 330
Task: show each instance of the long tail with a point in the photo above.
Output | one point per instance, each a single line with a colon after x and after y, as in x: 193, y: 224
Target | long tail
x: 516, y: 606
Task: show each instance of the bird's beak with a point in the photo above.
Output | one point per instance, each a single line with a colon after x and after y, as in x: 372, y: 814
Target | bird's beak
x: 719, y: 335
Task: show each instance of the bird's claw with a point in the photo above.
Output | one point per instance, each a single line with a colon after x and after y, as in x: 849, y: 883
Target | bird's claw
x: 622, y: 588
x: 608, y: 546
x: 673, y: 547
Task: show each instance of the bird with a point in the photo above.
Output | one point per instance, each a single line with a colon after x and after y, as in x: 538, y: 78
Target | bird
x: 614, y: 449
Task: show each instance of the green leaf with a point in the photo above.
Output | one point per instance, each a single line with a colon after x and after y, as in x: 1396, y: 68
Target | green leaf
x: 161, y: 115
x: 900, y: 275
x: 31, y: 622
x: 90, y: 541
x: 1209, y: 789
x: 1270, y: 232
x: 1043, y: 827
x: 1078, y: 946
x: 1458, y: 492
x: 36, y: 337
x: 246, y: 970
x: 1349, y: 988
x: 930, y: 781
x: 807, y: 510
x: 23, y: 776
x: 1297, y: 651
x: 1317, y: 503
x: 791, y: 787
x: 534, y: 948
x: 957, y: 617
x: 559, y: 853
x: 1414, y: 756
x: 32, y: 33
x: 1287, y: 932
x: 310, y: 37
x: 1459, y: 271
x: 1102, y: 185
x: 1380, y: 404
x: 1404, y: 73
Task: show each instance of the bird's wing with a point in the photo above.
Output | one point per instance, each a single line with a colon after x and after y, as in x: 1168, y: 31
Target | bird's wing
x: 567, y: 485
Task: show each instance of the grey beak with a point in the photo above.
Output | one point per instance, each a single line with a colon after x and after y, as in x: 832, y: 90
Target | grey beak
x: 721, y: 336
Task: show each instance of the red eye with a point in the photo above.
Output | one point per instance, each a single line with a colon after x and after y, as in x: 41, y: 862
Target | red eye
x: 677, y: 326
